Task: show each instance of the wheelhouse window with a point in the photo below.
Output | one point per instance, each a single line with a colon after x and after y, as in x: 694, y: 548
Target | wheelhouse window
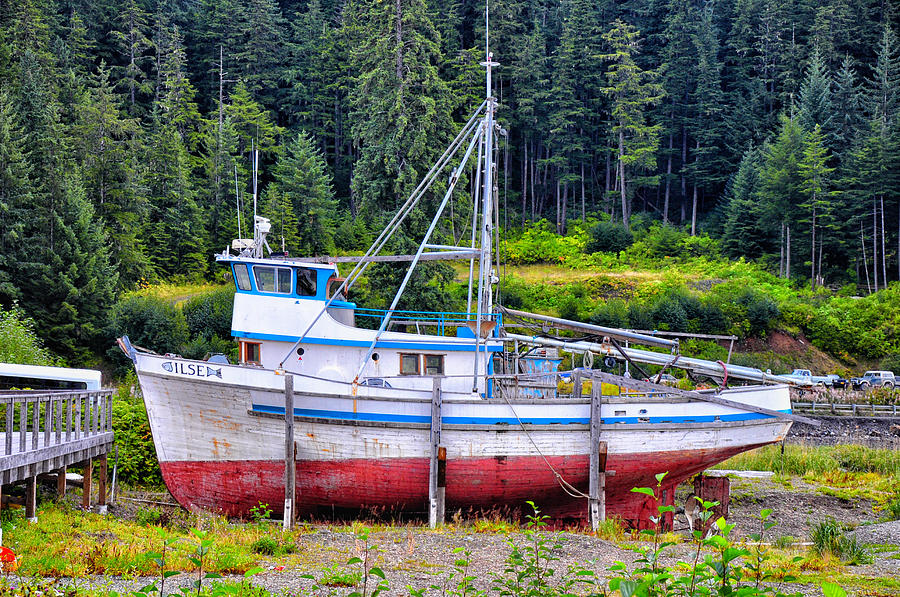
x: 306, y: 281
x: 434, y: 364
x: 409, y: 364
x: 241, y: 276
x: 334, y: 284
x: 272, y: 279
x: 250, y: 352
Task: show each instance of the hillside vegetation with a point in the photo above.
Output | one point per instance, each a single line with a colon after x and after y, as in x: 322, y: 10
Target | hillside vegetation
x: 769, y: 130
x: 658, y: 282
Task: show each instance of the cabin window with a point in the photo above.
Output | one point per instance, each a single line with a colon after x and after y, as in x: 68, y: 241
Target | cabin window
x: 306, y: 281
x: 334, y: 284
x: 409, y: 364
x: 241, y: 276
x: 434, y: 364
x: 250, y: 352
x: 272, y: 279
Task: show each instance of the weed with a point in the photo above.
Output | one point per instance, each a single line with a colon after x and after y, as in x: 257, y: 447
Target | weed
x: 265, y: 546
x: 784, y: 541
x: 260, y: 513
x: 338, y: 576
x: 828, y: 539
x: 148, y: 516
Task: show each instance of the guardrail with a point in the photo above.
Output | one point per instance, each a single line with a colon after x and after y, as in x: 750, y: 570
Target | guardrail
x: 853, y: 410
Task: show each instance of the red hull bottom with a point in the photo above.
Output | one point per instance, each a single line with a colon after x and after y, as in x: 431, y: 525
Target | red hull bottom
x: 233, y: 487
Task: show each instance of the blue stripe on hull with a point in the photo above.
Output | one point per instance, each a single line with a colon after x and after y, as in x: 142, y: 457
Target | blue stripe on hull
x: 364, y: 344
x: 398, y: 418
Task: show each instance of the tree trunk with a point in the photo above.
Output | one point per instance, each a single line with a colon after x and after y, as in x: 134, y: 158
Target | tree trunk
x: 683, y: 178
x: 862, y: 243
x: 812, y: 275
x: 694, y: 212
x: 558, y: 208
x: 787, y: 267
x: 607, y: 186
x: 524, y: 180
x: 875, y: 241
x: 665, y: 213
x: 582, y: 192
x: 781, y: 257
x: 622, y: 192
x: 883, y: 247
x: 821, y: 280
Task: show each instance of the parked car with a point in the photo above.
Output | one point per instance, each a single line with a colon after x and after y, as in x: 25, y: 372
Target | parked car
x: 665, y: 379
x: 837, y: 382
x: 874, y: 379
x: 805, y: 375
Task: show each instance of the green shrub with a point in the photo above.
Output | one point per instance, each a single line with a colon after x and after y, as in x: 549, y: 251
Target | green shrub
x: 828, y: 538
x: 891, y: 362
x: 19, y: 342
x: 148, y: 516
x: 608, y: 237
x: 137, y: 454
x: 613, y: 313
x: 149, y: 322
x: 209, y: 314
x: 266, y: 546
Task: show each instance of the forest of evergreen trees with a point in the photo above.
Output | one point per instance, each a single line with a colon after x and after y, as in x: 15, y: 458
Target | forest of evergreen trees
x: 126, y: 130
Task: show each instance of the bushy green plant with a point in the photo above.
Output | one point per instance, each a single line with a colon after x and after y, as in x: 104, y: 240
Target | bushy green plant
x: 209, y: 314
x: 266, y: 546
x: 148, y: 516
x: 137, y: 455
x: 606, y: 237
x: 828, y: 539
x: 19, y: 342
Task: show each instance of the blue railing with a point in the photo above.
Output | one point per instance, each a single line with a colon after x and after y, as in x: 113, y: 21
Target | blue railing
x: 442, y: 320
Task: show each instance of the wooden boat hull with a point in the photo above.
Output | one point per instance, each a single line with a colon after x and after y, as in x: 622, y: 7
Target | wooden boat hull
x: 220, y: 442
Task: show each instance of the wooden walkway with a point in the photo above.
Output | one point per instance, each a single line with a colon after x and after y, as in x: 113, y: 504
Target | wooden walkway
x: 48, y: 431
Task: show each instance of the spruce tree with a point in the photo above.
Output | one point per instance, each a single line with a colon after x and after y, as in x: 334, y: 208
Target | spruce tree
x: 302, y: 180
x: 814, y: 105
x: 400, y: 115
x: 15, y: 196
x: 815, y: 177
x: 632, y: 91
x: 109, y: 151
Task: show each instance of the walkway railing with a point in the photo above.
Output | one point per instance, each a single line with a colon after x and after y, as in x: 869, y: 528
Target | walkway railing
x: 48, y: 431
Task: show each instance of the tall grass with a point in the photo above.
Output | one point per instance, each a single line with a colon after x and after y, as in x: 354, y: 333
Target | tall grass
x: 802, y: 459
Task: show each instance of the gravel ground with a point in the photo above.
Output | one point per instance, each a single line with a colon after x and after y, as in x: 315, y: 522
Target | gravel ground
x: 414, y: 556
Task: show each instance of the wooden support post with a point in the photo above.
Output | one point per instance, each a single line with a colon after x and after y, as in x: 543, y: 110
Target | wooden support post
x: 597, y: 468
x: 30, y: 498
x: 290, y: 466
x: 61, y: 482
x: 577, y: 387
x: 86, y: 488
x: 101, y: 484
x: 437, y: 470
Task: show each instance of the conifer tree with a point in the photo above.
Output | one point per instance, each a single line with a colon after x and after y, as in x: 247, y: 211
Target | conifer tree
x: 15, y: 195
x: 814, y: 106
x: 745, y: 233
x: 632, y: 91
x: 816, y: 182
x: 107, y: 146
x: 781, y: 185
x: 301, y: 179
x: 400, y: 115
x: 132, y: 41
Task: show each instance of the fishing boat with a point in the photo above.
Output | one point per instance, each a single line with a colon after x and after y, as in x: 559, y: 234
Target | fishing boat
x: 364, y: 396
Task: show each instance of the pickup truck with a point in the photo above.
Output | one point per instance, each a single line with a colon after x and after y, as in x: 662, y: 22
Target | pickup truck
x: 805, y: 375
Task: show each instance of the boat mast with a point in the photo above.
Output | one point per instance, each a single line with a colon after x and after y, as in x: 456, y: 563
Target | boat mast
x: 486, y: 273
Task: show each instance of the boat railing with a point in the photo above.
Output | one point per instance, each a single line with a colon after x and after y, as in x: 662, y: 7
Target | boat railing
x: 436, y: 322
